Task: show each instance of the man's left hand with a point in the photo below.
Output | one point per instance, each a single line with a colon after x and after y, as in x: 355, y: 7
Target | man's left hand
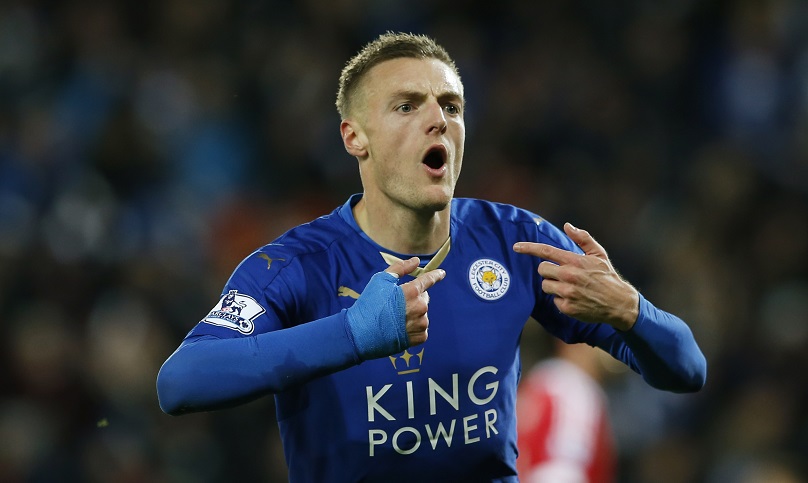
x: 586, y: 287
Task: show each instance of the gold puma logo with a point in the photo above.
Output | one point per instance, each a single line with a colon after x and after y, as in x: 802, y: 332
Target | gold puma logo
x: 344, y: 291
x: 270, y: 260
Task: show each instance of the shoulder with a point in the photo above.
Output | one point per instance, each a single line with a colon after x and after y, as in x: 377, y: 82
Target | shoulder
x: 315, y: 236
x: 286, y: 255
x: 472, y: 212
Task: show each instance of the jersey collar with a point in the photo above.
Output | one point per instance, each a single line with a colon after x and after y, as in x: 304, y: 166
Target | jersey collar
x: 429, y: 261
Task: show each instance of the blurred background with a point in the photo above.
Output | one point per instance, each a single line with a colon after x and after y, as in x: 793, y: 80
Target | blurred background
x: 147, y: 147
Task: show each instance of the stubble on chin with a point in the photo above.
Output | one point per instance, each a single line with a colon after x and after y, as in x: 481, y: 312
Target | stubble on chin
x: 436, y: 203
x: 417, y: 196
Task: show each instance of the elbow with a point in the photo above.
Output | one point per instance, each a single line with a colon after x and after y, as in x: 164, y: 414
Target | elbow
x: 696, y: 374
x: 169, y: 394
x: 690, y: 377
x: 697, y: 377
x: 692, y: 383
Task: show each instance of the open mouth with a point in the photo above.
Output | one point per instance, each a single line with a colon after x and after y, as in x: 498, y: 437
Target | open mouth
x: 435, y: 158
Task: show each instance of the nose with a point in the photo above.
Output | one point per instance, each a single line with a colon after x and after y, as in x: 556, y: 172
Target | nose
x: 437, y: 118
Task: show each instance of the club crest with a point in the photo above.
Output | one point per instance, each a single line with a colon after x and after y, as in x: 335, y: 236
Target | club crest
x: 489, y: 279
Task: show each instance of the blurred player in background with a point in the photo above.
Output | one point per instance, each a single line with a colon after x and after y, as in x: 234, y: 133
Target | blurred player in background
x: 563, y: 427
x: 388, y: 331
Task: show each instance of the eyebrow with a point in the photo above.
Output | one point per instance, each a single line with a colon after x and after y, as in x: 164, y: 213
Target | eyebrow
x: 420, y: 96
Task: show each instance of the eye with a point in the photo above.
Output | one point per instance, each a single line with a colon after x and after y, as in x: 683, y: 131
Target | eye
x: 452, y: 109
x: 405, y: 108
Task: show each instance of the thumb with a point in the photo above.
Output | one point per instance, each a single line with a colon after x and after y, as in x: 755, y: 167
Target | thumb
x: 403, y: 267
x: 583, y: 239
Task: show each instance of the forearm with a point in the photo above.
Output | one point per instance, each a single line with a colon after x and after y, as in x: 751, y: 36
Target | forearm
x: 210, y: 373
x: 661, y: 347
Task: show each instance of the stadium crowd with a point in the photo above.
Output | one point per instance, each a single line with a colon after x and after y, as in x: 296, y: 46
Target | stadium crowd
x: 147, y: 147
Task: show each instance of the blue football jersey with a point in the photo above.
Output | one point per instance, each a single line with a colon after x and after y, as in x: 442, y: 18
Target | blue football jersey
x: 440, y: 411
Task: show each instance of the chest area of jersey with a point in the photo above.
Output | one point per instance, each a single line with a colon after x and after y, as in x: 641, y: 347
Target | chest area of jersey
x: 454, y: 390
x: 492, y: 287
x: 476, y: 313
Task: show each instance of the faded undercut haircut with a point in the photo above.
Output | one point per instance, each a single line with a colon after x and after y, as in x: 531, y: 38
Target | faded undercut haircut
x: 388, y: 46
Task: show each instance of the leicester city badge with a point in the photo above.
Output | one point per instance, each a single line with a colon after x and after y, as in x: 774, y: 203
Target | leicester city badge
x: 235, y: 311
x: 489, y: 279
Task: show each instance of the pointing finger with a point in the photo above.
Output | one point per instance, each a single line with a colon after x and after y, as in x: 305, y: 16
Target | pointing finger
x: 547, y: 252
x: 424, y: 281
x: 403, y: 267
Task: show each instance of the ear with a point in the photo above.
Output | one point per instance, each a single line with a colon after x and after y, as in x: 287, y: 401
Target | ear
x: 353, y: 138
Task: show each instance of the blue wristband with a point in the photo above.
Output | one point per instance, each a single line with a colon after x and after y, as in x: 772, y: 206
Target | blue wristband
x: 377, y: 320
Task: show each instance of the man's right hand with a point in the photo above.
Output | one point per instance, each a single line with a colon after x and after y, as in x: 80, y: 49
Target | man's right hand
x: 416, y: 297
x: 387, y: 318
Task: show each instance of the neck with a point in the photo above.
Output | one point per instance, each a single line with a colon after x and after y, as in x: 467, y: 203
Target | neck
x: 401, y: 229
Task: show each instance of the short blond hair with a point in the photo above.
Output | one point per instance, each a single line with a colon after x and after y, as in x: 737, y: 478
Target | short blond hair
x: 387, y: 46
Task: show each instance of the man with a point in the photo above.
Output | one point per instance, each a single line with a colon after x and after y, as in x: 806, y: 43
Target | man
x: 564, y: 432
x: 401, y: 384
